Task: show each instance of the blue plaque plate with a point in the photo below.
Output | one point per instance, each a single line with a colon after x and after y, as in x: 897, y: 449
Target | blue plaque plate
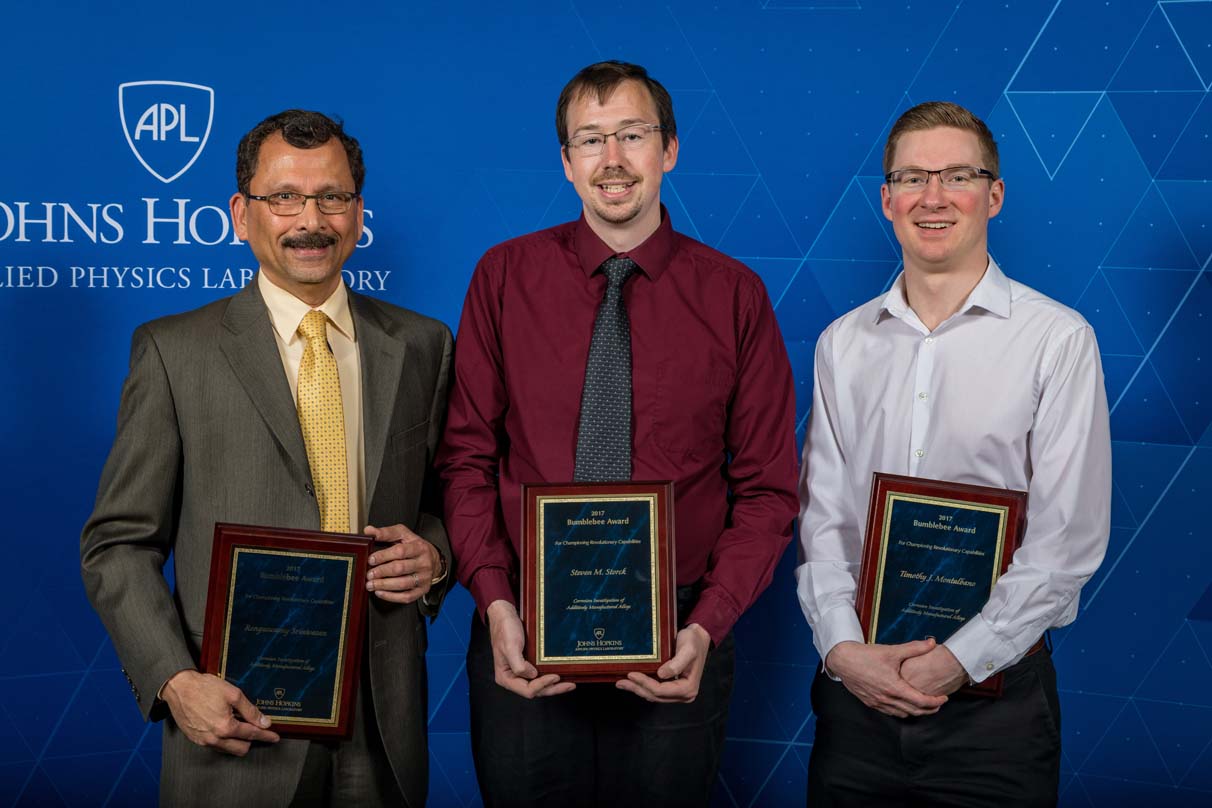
x: 932, y: 554
x: 284, y: 623
x: 597, y: 559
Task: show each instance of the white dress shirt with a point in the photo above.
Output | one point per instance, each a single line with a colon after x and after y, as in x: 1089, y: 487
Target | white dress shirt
x: 1007, y: 392
x: 285, y: 313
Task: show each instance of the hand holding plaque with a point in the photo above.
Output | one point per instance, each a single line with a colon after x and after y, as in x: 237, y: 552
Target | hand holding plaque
x: 284, y: 623
x: 932, y: 553
x: 597, y: 594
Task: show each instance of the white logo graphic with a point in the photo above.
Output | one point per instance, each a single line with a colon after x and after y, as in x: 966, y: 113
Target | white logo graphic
x: 171, y: 124
x: 599, y: 633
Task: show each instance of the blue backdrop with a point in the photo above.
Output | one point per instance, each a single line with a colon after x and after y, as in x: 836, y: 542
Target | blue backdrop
x: 1103, y: 114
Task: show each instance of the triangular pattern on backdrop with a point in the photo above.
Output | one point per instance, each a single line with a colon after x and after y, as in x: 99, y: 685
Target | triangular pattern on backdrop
x: 1143, y: 470
x: 1084, y: 726
x: 803, y: 309
x: 521, y: 198
x: 1101, y: 309
x: 1190, y: 203
x: 1053, y: 121
x: 1127, y: 751
x: 711, y: 201
x: 856, y: 229
x: 760, y: 229
x: 849, y: 284
x: 1192, y: 24
x: 1156, y: 61
x: 1149, y: 298
x: 1181, y: 676
x: 1118, y: 371
x: 1145, y: 413
x: 1154, y: 121
x: 1189, y: 158
x: 712, y: 143
x: 1183, y: 357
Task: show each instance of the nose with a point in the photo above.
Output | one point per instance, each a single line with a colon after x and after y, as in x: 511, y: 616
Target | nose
x: 310, y: 218
x: 612, y: 150
x: 932, y: 195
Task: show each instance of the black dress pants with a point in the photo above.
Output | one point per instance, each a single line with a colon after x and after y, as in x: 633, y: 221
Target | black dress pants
x: 973, y: 752
x: 597, y: 746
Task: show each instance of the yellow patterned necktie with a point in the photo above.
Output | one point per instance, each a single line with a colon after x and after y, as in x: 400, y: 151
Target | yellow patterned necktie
x: 323, y: 421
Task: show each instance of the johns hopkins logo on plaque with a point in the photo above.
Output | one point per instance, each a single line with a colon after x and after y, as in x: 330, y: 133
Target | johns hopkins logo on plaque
x: 166, y: 123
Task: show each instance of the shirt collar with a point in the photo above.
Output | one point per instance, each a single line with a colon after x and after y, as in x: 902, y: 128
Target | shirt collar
x: 992, y: 294
x: 652, y: 256
x: 286, y: 311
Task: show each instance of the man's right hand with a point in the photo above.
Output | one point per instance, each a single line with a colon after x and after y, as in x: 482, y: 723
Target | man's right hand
x: 513, y: 672
x: 873, y: 674
x: 214, y: 713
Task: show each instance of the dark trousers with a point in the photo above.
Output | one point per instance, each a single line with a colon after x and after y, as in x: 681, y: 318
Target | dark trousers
x: 354, y: 771
x: 974, y: 752
x: 597, y: 746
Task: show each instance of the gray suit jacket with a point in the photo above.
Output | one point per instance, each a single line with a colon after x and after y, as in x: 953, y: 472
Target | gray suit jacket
x: 207, y: 432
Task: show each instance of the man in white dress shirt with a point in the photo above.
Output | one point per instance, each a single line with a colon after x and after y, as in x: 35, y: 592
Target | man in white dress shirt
x: 958, y: 373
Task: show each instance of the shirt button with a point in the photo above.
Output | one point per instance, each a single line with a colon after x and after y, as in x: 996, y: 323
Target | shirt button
x: 922, y: 396
x: 929, y: 340
x: 988, y: 666
x: 920, y: 453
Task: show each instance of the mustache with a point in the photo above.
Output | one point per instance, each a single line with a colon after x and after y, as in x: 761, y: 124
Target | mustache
x: 309, y: 241
x: 613, y: 173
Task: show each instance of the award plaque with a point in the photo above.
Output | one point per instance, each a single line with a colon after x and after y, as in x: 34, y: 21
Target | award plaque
x: 932, y: 554
x: 597, y: 578
x: 284, y: 623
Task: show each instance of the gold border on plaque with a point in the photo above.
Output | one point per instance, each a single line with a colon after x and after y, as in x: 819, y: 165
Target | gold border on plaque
x: 893, y: 496
x: 340, y: 663
x: 540, y: 583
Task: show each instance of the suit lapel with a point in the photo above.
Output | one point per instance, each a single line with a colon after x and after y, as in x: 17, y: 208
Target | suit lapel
x: 381, y: 351
x: 250, y: 347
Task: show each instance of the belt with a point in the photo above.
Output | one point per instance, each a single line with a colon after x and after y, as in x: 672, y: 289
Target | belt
x: 1035, y: 649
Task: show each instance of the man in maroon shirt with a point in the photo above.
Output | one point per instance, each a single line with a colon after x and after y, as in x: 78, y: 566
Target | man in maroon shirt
x: 712, y: 409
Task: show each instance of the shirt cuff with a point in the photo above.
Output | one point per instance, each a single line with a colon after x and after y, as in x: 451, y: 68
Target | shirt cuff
x: 715, y: 614
x: 488, y: 585
x: 838, y: 625
x: 981, y: 652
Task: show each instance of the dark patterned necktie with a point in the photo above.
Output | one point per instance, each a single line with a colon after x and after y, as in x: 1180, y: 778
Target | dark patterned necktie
x: 604, y: 436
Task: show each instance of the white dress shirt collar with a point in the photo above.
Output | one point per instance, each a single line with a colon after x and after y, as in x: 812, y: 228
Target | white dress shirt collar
x: 992, y: 293
x: 286, y: 311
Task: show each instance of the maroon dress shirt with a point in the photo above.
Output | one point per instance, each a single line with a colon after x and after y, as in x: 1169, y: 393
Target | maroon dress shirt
x: 712, y: 407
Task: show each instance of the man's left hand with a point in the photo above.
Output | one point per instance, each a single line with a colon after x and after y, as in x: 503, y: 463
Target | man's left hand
x: 935, y: 673
x: 402, y: 572
x: 679, y: 677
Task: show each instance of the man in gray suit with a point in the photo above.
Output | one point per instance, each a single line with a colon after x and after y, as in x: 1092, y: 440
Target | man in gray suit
x: 208, y: 432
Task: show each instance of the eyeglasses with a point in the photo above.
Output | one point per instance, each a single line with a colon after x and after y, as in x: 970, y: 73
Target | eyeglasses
x: 289, y: 203
x: 631, y: 138
x: 955, y: 178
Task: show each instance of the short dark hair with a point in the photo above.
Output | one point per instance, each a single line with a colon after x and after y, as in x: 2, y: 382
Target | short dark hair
x: 602, y: 79
x: 932, y: 115
x: 302, y: 129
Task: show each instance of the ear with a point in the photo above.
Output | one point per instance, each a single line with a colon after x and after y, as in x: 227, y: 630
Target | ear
x: 671, y: 154
x: 239, y: 213
x: 567, y: 163
x: 886, y: 201
x: 359, y: 211
x: 997, y: 195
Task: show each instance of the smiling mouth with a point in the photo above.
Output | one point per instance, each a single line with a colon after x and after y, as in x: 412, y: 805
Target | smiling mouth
x: 615, y: 187
x: 934, y: 225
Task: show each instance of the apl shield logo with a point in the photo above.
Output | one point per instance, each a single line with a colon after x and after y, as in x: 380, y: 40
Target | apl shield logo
x: 599, y: 633
x: 279, y: 692
x: 166, y: 123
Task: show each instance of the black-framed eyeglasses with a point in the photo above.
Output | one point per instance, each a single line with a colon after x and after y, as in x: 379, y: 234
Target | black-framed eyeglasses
x: 953, y: 178
x: 290, y: 203
x: 590, y: 144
